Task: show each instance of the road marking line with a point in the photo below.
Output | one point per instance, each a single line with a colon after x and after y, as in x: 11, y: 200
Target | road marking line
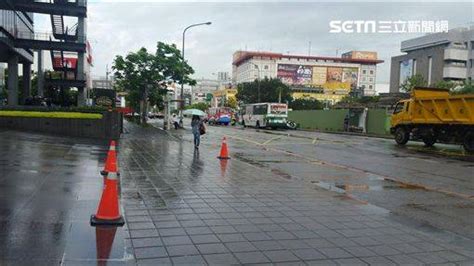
x: 272, y: 139
x: 356, y: 169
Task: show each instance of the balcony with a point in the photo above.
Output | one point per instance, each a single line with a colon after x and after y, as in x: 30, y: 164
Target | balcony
x: 455, y: 54
x: 454, y: 72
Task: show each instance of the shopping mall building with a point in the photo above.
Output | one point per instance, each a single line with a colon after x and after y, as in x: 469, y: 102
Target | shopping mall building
x: 327, y: 79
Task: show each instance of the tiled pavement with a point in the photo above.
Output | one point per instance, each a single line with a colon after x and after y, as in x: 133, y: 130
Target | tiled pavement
x: 188, y: 208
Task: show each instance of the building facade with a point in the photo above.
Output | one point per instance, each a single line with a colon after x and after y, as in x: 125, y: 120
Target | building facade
x: 103, y: 83
x: 66, y: 43
x: 324, y: 78
x: 202, y: 91
x: 13, y: 25
x: 441, y: 56
x: 223, y: 77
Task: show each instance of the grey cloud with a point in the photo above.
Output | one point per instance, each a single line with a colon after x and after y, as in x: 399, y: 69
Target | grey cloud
x: 116, y: 28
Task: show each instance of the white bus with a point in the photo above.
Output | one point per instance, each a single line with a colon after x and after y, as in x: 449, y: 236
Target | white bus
x: 261, y: 115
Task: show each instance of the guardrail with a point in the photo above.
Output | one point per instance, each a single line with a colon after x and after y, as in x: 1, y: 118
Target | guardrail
x: 78, y: 2
x: 42, y: 36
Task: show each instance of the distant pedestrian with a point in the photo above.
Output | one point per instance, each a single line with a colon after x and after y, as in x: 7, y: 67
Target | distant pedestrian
x: 175, y: 121
x: 346, y: 123
x: 198, y: 130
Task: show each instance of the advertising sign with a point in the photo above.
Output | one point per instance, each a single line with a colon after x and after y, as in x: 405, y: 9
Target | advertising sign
x: 364, y: 55
x: 319, y: 76
x: 333, y: 79
x: 349, y: 75
x: 278, y: 108
x: 334, y: 74
x: 295, y: 74
x: 68, y: 62
x: 406, y: 70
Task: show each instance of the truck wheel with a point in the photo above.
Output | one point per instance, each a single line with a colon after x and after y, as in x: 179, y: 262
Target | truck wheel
x: 429, y: 141
x: 401, y: 136
x: 469, y: 142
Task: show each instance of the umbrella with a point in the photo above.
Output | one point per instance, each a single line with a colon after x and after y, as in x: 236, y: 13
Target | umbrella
x: 194, y: 112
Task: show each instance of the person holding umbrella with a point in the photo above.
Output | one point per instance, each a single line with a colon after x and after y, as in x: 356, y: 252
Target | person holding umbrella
x: 197, y: 125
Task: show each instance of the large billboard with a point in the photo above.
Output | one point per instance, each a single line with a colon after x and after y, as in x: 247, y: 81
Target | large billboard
x: 406, y: 70
x: 360, y: 55
x: 333, y: 79
x: 295, y: 74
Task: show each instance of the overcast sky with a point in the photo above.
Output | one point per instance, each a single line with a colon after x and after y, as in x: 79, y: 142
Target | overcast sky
x: 117, y: 28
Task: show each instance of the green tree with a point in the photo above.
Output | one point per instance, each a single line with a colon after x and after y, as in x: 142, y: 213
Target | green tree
x: 443, y: 84
x: 412, y: 82
x: 144, y: 75
x: 271, y: 90
x: 466, y: 88
x: 306, y: 104
x: 200, y: 106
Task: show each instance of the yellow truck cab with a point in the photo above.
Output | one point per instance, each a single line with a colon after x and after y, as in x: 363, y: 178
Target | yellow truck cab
x: 433, y: 115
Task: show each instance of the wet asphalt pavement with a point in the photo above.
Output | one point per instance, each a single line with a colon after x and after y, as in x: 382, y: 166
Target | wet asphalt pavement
x: 317, y: 199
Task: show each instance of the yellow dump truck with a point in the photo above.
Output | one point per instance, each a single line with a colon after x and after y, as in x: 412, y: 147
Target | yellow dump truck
x: 433, y: 115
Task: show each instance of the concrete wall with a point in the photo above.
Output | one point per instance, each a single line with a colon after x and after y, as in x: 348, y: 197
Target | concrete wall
x: 328, y: 120
x: 109, y: 127
x: 421, y: 57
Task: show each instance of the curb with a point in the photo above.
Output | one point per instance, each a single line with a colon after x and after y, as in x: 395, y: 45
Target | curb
x: 320, y: 131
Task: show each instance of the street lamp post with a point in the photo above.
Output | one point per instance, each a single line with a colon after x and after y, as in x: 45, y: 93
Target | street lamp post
x: 182, y: 76
x: 258, y: 80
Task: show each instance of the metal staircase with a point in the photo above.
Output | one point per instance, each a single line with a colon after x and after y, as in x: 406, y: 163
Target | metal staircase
x: 64, y: 62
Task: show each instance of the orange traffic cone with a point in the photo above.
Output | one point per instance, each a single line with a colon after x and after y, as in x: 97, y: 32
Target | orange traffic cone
x: 108, y: 212
x: 224, y: 155
x: 111, y: 161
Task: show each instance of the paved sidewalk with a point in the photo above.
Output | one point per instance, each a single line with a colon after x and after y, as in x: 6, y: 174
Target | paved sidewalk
x: 183, y: 207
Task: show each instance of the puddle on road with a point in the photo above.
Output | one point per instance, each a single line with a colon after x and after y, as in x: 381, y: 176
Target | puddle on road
x: 386, y: 184
x: 281, y: 173
x: 240, y: 156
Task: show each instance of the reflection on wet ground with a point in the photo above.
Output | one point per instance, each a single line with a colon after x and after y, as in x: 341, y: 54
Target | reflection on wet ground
x: 371, y: 170
x: 268, y: 204
x: 49, y: 187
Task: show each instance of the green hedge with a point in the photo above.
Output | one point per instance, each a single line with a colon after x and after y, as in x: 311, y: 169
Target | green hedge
x: 36, y: 114
x: 83, y: 109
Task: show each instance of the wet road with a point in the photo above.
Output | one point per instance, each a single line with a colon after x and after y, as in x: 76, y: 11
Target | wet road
x: 433, y: 186
x: 278, y: 200
x: 49, y: 187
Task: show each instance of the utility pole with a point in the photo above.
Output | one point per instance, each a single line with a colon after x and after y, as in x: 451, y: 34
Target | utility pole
x: 181, y: 97
x: 107, y: 72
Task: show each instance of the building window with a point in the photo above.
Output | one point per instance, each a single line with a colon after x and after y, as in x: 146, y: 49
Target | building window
x: 430, y: 65
x: 414, y: 67
x: 371, y: 79
x: 265, y: 67
x: 371, y: 87
x: 364, y: 71
x: 371, y: 72
x: 256, y: 67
